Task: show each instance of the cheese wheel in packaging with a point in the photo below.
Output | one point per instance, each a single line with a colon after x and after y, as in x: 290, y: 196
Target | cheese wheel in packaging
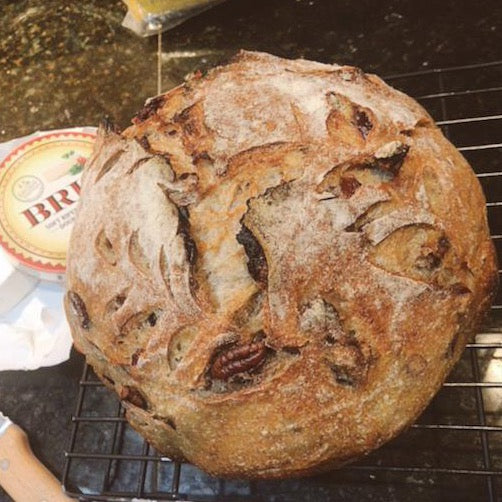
x: 39, y: 191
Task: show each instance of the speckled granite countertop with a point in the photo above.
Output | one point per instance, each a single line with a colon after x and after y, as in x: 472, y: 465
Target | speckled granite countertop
x: 69, y: 63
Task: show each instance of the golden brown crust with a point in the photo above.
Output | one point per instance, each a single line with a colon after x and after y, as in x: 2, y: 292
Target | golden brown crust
x: 277, y: 265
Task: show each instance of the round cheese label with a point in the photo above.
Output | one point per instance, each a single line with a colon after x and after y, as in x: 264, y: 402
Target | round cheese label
x: 39, y: 191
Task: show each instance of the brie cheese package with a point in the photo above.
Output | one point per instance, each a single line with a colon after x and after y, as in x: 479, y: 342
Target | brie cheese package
x: 39, y: 189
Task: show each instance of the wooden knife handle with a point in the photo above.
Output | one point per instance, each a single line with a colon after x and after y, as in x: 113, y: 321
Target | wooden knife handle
x: 22, y: 476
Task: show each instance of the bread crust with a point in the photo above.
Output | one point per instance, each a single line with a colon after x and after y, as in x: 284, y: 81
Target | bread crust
x: 277, y: 265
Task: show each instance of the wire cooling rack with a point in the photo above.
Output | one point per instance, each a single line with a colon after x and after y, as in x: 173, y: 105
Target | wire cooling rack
x: 453, y: 452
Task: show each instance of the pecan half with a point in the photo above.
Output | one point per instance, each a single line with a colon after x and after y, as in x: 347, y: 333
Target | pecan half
x: 143, y: 141
x: 135, y: 357
x: 459, y: 289
x: 348, y: 185
x: 79, y: 309
x: 238, y: 360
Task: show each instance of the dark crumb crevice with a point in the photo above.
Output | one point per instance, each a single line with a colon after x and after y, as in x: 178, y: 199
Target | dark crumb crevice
x: 134, y: 396
x: 184, y: 231
x: 257, y: 262
x: 151, y: 106
x: 362, y: 122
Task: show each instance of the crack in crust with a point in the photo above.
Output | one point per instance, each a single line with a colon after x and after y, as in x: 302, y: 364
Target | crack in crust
x: 257, y: 262
x: 184, y: 231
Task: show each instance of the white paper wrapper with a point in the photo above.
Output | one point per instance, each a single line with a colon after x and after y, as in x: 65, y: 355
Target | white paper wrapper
x: 35, y: 332
x: 14, y: 284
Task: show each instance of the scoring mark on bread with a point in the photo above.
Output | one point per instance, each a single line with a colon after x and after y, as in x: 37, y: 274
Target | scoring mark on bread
x: 417, y: 251
x: 250, y: 312
x: 390, y: 157
x: 134, y: 333
x: 105, y: 248
x: 138, y: 164
x: 109, y: 164
x: 139, y: 322
x: 382, y: 166
x: 137, y: 255
x: 459, y: 289
x: 164, y: 268
x: 179, y: 344
x: 180, y: 283
x: 79, y: 309
x: 375, y: 170
x: 368, y: 216
x: 347, y: 120
x: 116, y: 302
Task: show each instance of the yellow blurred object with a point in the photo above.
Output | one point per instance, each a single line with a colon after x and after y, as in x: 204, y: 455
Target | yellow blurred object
x: 147, y: 17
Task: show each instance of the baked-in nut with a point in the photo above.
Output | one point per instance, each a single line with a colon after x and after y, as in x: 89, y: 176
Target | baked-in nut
x: 277, y: 265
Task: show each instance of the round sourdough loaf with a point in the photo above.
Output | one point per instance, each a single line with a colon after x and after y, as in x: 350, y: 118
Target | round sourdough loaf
x: 277, y: 265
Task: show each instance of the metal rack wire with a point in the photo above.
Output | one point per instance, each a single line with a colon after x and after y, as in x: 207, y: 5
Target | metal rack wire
x: 453, y: 452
